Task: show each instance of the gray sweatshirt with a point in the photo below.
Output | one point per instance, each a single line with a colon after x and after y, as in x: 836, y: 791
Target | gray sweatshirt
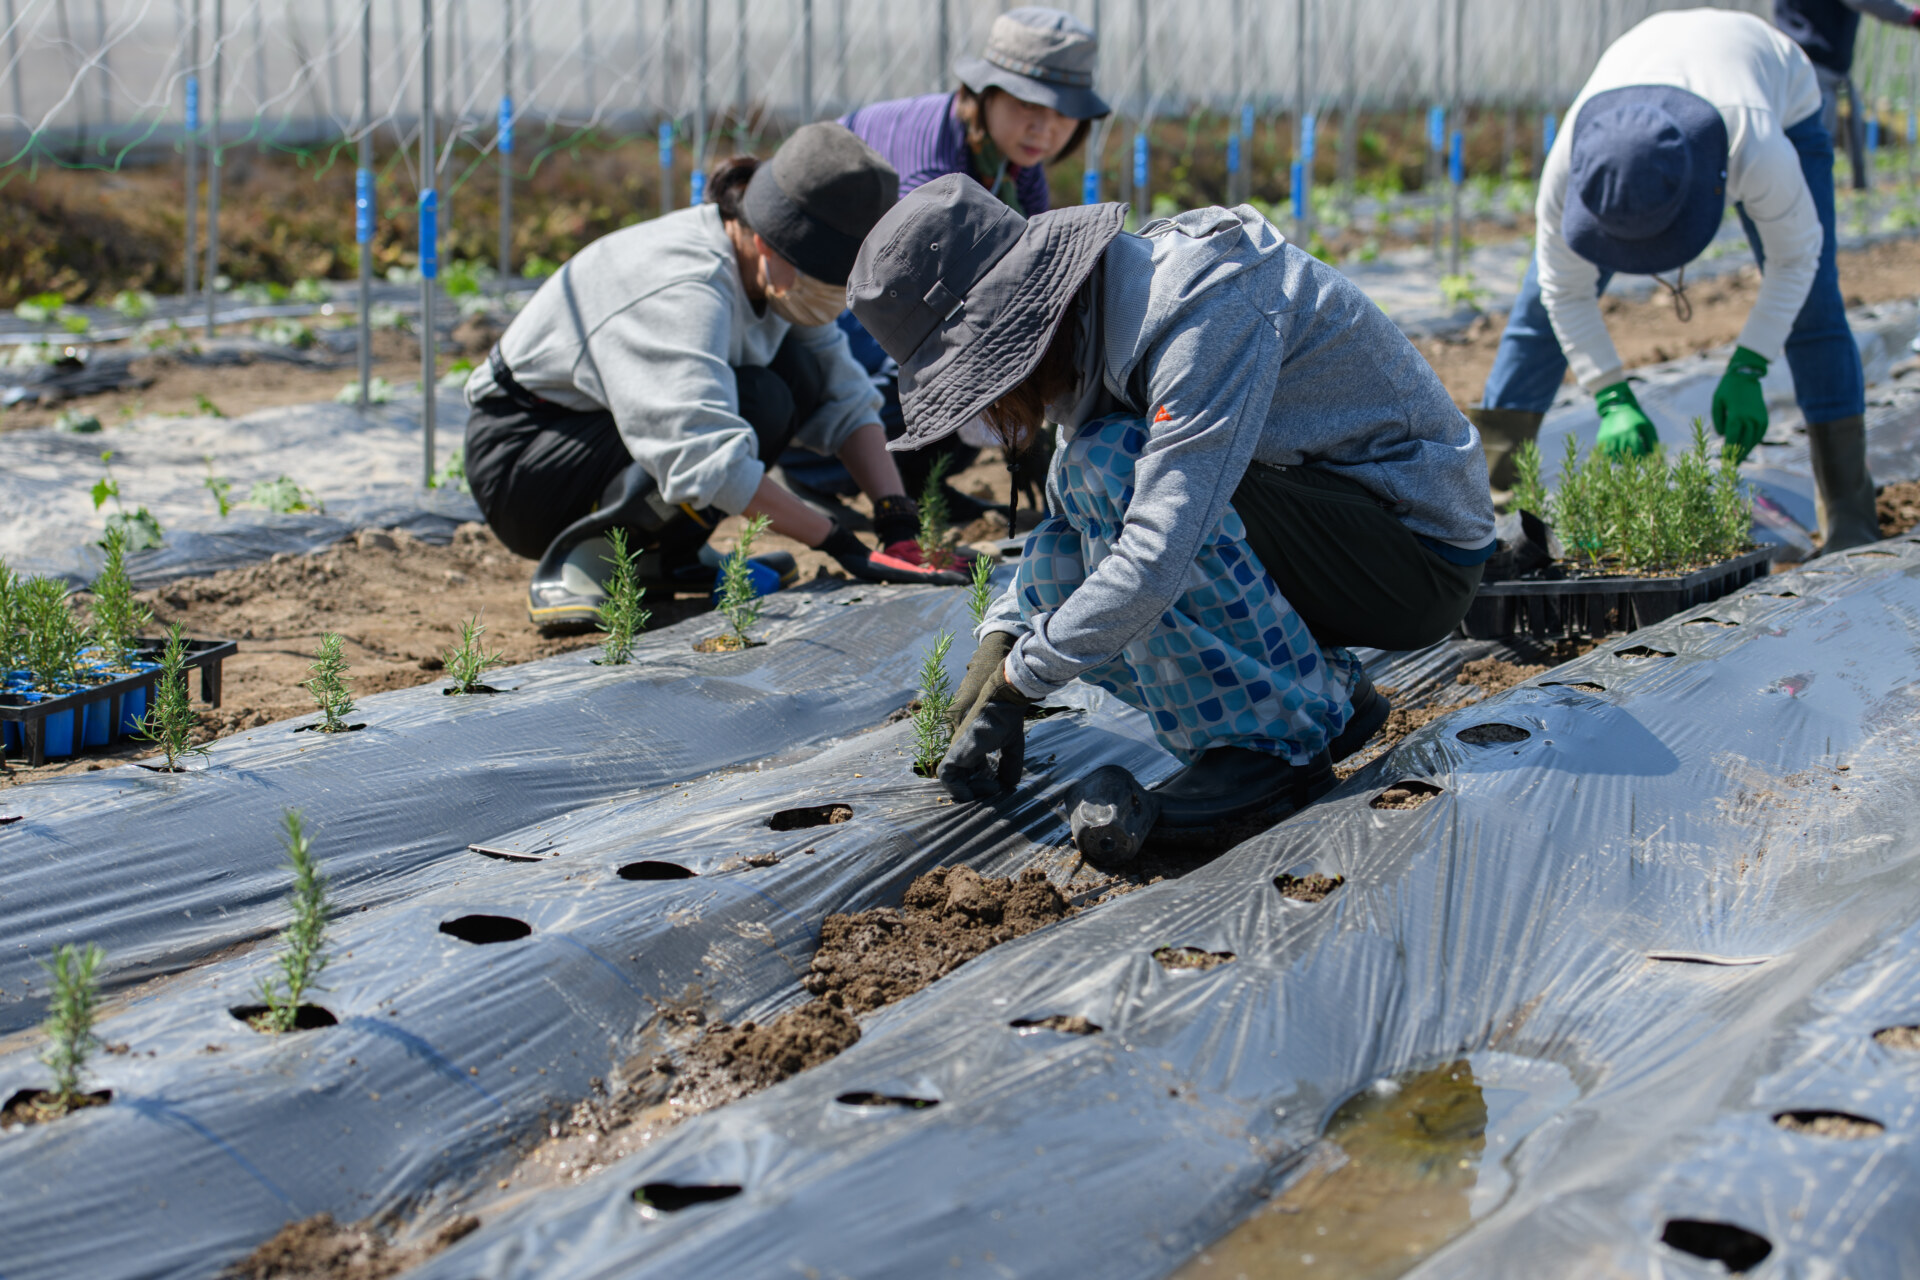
x: 1239, y: 347
x: 649, y: 322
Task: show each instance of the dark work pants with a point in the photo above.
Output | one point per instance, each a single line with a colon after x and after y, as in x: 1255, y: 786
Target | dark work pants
x: 535, y: 470
x: 1353, y: 572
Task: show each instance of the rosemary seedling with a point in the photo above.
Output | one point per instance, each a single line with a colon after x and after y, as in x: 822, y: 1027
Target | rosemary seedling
x: 69, y: 1024
x: 980, y: 590
x: 1529, y: 494
x: 739, y: 602
x: 934, y: 516
x: 931, y: 733
x: 304, y: 956
x: 621, y: 617
x: 51, y: 636
x: 329, y: 684
x: 118, y: 615
x: 468, y: 660
x: 10, y: 624
x: 169, y: 719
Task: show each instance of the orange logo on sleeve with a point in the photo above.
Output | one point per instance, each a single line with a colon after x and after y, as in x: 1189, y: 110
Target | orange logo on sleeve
x: 1163, y: 415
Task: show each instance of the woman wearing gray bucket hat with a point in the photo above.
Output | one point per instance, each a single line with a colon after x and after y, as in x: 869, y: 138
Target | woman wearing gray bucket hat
x: 1256, y: 470
x: 1024, y: 104
x: 1684, y: 114
x: 652, y: 380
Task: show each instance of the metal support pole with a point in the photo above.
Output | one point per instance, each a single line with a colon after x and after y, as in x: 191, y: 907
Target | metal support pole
x: 940, y: 58
x: 1236, y: 145
x: 1303, y: 131
x: 1143, y: 117
x: 259, y: 63
x: 333, y: 61
x: 364, y: 209
x: 698, y: 186
x: 806, y: 61
x: 429, y: 245
x: 740, y: 98
x: 13, y: 65
x: 191, y: 142
x: 104, y: 69
x: 1455, y: 160
x: 586, y: 56
x: 211, y: 279
x: 504, y: 145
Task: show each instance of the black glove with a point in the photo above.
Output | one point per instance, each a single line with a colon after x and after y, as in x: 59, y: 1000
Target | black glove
x: 995, y: 721
x: 989, y: 658
x: 884, y: 566
x: 896, y: 518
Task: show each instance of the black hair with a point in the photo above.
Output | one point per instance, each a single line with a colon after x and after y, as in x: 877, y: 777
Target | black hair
x: 727, y: 183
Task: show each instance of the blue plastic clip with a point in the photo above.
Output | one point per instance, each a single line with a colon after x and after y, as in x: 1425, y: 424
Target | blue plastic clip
x: 666, y: 145
x: 1233, y: 153
x: 1139, y: 162
x: 193, y: 104
x: 363, y: 206
x: 1456, y: 163
x: 1309, y: 125
x: 505, y: 127
x: 1299, y: 190
x: 1090, y: 187
x: 1436, y: 128
x: 699, y: 187
x: 430, y: 235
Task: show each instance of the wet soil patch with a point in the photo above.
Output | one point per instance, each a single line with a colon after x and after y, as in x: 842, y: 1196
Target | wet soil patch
x: 1181, y: 959
x: 1493, y: 734
x: 1830, y: 1124
x: 820, y: 815
x: 1409, y: 794
x: 484, y: 931
x: 1308, y: 888
x: 37, y: 1106
x: 308, y: 1017
x: 1072, y: 1024
x: 318, y: 1248
x: 1737, y: 1248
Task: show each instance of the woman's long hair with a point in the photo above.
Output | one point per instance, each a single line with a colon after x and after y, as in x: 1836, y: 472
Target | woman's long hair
x: 1018, y: 416
x: 727, y: 183
x: 971, y: 107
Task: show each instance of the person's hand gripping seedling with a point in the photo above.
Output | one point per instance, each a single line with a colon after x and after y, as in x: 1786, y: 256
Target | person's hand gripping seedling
x: 931, y: 730
x: 988, y: 715
x: 1739, y: 403
x: 1624, y: 426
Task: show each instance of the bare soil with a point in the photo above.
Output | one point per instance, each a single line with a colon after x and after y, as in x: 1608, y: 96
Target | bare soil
x: 1181, y: 959
x: 1830, y: 1124
x: 38, y: 1106
x: 1405, y: 795
x: 1899, y: 508
x: 1308, y: 888
x: 318, y: 1248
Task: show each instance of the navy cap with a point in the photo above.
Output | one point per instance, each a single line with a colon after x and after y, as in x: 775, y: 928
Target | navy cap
x: 1648, y: 186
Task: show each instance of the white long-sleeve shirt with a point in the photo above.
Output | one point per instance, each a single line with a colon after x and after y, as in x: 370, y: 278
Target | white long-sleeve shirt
x: 649, y: 322
x: 1762, y: 84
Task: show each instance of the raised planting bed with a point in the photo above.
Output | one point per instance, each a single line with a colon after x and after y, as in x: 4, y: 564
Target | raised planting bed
x: 42, y: 726
x: 1599, y: 605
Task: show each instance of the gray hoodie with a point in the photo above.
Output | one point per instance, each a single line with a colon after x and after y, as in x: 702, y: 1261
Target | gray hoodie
x: 1238, y: 347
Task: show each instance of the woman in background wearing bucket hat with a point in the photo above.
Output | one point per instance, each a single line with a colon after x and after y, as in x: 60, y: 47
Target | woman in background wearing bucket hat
x: 1687, y: 111
x: 1255, y: 471
x: 1025, y: 103
x: 652, y: 378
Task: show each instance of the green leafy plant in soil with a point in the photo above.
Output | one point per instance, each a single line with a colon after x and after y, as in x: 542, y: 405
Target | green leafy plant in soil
x: 980, y: 590
x: 283, y: 496
x: 118, y: 615
x: 739, y: 602
x: 329, y: 685
x: 1626, y: 514
x: 931, y: 733
x: 621, y: 616
x: 169, y: 719
x: 468, y: 660
x: 69, y: 1023
x: 303, y: 957
x: 51, y: 636
x: 142, y: 529
x: 220, y: 487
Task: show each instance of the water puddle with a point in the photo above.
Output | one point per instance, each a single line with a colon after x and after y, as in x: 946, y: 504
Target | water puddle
x: 1404, y: 1166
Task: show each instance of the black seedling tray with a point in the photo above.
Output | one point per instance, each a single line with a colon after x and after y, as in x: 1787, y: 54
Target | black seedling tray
x: 1601, y: 606
x: 205, y: 655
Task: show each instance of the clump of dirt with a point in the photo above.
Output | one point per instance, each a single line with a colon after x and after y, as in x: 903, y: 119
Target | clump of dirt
x: 729, y: 1062
x: 726, y: 642
x: 39, y: 1106
x: 318, y: 1248
x: 1830, y: 1124
x: 1405, y: 795
x: 949, y: 916
x: 1184, y: 958
x: 1906, y: 1038
x: 1899, y: 508
x: 1308, y: 888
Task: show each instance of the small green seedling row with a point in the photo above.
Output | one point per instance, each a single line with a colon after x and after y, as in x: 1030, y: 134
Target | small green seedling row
x: 468, y: 660
x: 329, y: 685
x: 931, y: 732
x: 739, y: 602
x: 303, y: 956
x: 621, y: 617
x: 69, y: 1027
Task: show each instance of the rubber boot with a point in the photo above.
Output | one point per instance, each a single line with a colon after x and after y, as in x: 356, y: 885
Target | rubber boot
x: 1502, y: 432
x: 1370, y: 708
x: 1231, y: 794
x: 1843, y: 497
x: 1110, y: 814
x: 568, y: 589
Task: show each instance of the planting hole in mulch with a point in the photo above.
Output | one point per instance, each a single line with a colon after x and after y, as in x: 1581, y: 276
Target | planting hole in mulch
x: 1641, y: 651
x: 1707, y: 958
x: 1736, y: 1248
x: 672, y: 1197
x: 453, y: 691
x: 36, y: 1106
x: 1307, y: 888
x: 887, y: 1100
x: 725, y: 643
x: 1492, y: 734
x: 1072, y: 1024
x: 1830, y: 1124
x: 308, y: 1017
x: 1708, y: 622
x: 314, y: 728
x: 1407, y: 794
x: 654, y: 871
x: 5, y: 818
x: 1590, y: 686
x: 819, y: 815
x: 483, y: 931
x: 1180, y: 959
x: 1907, y: 1038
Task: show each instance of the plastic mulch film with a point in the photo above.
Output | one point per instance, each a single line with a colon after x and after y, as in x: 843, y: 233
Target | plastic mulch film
x: 1598, y: 995
x: 163, y: 870
x: 469, y: 1013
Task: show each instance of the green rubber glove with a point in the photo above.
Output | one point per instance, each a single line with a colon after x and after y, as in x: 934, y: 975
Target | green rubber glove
x: 1624, y: 427
x: 1739, y: 406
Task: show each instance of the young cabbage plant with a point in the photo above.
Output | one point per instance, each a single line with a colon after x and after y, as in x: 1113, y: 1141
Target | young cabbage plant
x: 118, y: 615
x: 304, y: 955
x: 980, y: 590
x: 739, y: 600
x: 935, y: 518
x: 329, y: 684
x: 621, y: 617
x: 931, y: 733
x: 468, y: 660
x: 69, y: 1022
x: 142, y: 529
x: 169, y: 719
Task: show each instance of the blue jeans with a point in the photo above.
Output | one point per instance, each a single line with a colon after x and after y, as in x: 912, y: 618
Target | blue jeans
x: 1827, y: 378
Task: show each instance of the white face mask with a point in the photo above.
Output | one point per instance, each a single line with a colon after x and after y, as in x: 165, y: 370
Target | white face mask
x: 808, y: 302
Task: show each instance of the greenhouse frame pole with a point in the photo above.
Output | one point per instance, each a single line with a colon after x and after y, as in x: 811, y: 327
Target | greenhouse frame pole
x: 331, y: 18
x: 697, y: 186
x: 1236, y: 145
x: 191, y: 140
x: 806, y: 61
x: 940, y: 58
x: 429, y: 244
x: 363, y: 211
x: 1456, y: 136
x: 1142, y: 178
x: 740, y: 75
x: 504, y: 144
x: 210, y: 278
x: 103, y: 68
x: 13, y: 60
x: 1302, y: 127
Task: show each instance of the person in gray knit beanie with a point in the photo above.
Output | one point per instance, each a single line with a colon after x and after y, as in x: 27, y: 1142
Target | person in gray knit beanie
x: 653, y: 380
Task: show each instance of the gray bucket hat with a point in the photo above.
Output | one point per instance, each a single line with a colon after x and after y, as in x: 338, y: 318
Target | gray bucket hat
x: 1041, y: 56
x: 815, y: 201
x: 966, y: 294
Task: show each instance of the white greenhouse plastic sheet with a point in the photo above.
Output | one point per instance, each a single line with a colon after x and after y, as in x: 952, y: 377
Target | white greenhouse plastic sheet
x: 162, y: 870
x: 1681, y: 905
